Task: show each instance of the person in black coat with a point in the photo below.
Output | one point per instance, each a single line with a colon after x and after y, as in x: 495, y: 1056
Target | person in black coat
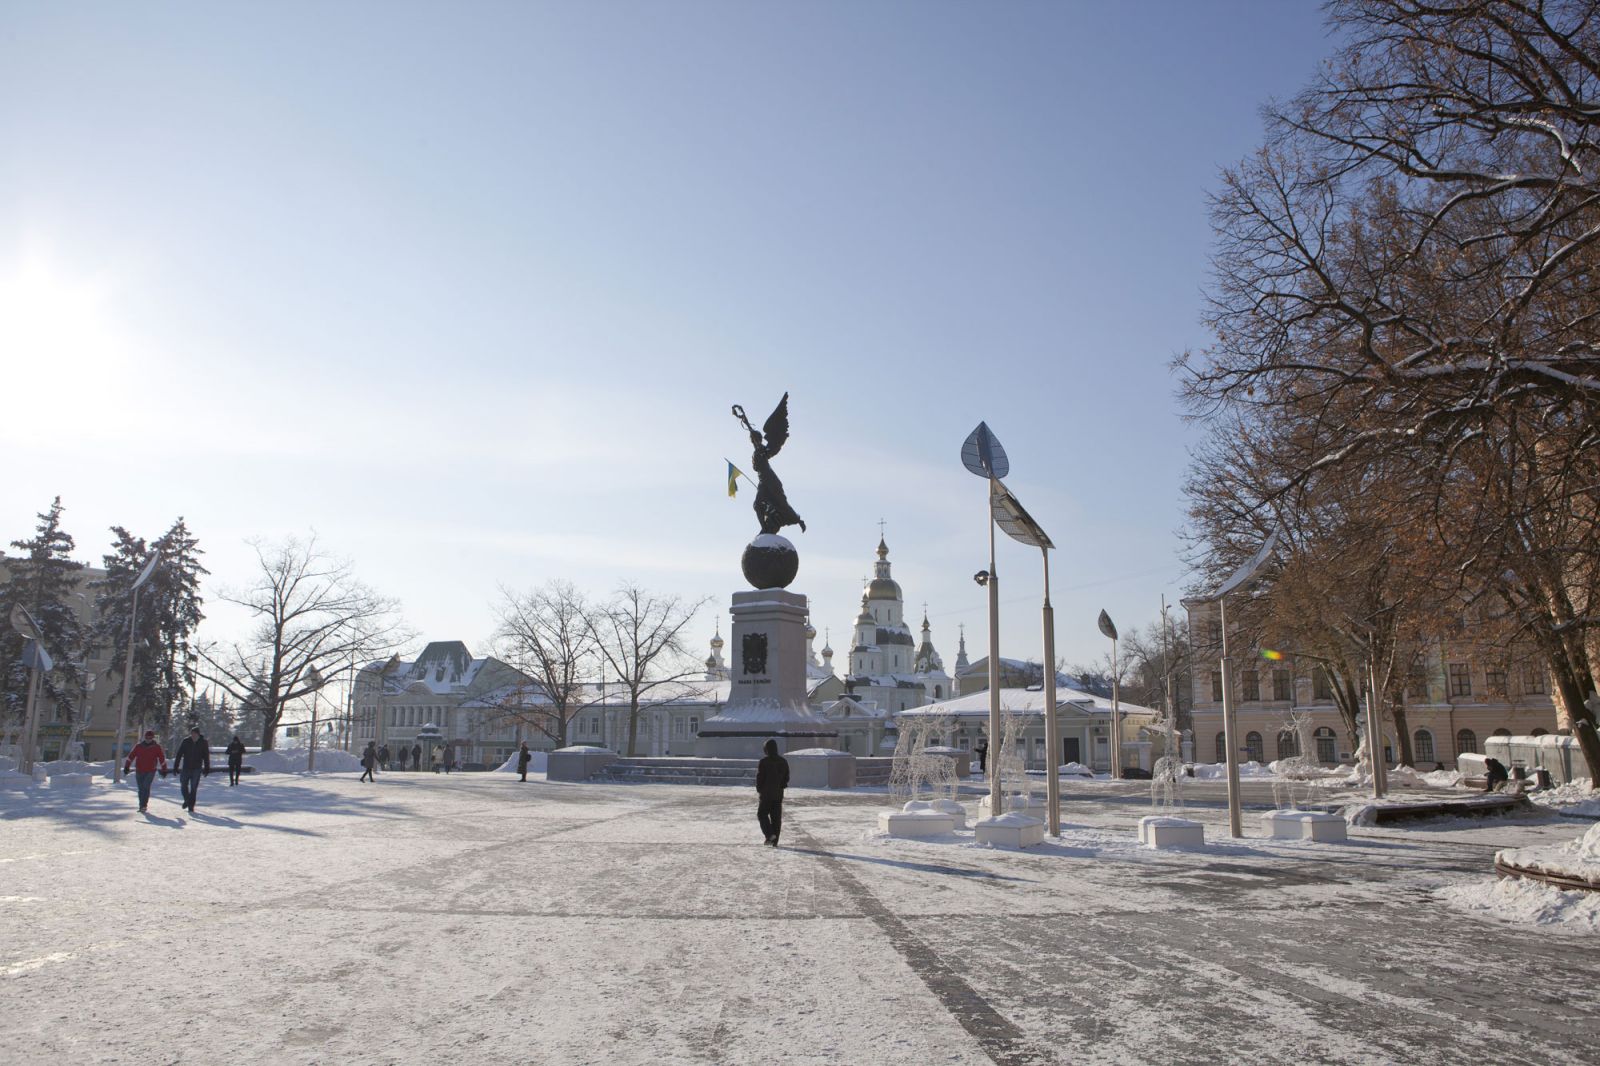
x: 193, y: 760
x: 235, y: 759
x: 369, y: 762
x: 772, y: 777
x: 1495, y: 774
x: 523, y: 758
x: 383, y: 757
x: 982, y: 749
x: 416, y: 756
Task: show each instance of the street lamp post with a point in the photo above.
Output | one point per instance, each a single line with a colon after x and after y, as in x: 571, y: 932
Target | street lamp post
x: 1230, y: 727
x: 1109, y: 629
x: 36, y: 659
x: 127, y: 669
x: 982, y: 455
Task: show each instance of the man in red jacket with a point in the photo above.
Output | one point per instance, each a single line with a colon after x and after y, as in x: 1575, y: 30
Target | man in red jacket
x: 144, y: 757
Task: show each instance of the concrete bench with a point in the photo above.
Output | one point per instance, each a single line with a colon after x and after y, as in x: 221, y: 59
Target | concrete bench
x: 917, y: 819
x: 1011, y: 830
x: 1160, y: 831
x: 1304, y: 825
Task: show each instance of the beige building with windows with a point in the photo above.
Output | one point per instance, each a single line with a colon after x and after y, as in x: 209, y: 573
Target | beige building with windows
x: 1459, y: 693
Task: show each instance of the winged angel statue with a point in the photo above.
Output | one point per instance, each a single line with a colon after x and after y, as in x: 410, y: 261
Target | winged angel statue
x: 771, y: 506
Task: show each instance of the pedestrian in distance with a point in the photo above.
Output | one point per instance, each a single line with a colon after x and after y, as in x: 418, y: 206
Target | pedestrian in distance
x: 383, y: 757
x: 1495, y: 774
x: 416, y: 757
x: 235, y: 751
x: 369, y: 762
x: 982, y: 748
x: 436, y: 759
x: 524, y: 756
x: 144, y: 757
x: 449, y: 759
x: 192, y: 761
x: 772, y: 777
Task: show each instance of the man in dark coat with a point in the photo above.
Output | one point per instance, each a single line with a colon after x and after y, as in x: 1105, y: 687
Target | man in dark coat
x: 193, y: 760
x: 416, y: 756
x: 142, y: 759
x: 523, y: 757
x: 772, y: 777
x: 235, y: 759
x: 1495, y: 774
x: 982, y: 748
x: 369, y: 762
x: 383, y: 757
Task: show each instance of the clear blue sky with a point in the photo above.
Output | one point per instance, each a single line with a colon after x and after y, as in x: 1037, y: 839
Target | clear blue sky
x: 470, y: 288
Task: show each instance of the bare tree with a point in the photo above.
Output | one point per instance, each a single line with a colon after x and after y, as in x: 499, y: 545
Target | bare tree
x: 640, y: 640
x: 312, y: 616
x: 551, y: 635
x: 1404, y: 276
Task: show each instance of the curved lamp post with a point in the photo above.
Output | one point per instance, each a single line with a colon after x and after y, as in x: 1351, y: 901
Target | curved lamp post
x: 127, y: 669
x: 36, y: 659
x: 982, y: 455
x: 1109, y: 628
x: 1230, y: 728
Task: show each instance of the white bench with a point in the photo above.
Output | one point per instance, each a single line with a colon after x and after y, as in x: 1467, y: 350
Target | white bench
x: 1162, y: 831
x: 1011, y: 830
x: 1304, y: 825
x: 918, y: 819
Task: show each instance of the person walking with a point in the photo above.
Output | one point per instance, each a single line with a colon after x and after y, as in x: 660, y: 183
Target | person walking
x: 524, y: 756
x: 416, y: 757
x: 982, y: 748
x: 449, y: 759
x: 143, y: 758
x: 235, y: 751
x: 772, y: 777
x: 436, y: 759
x: 369, y: 762
x: 383, y: 757
x: 192, y: 761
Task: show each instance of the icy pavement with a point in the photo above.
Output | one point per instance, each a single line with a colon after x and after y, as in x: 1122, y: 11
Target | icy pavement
x: 475, y: 919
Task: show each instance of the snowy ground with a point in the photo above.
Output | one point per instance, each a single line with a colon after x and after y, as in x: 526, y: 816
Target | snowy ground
x: 476, y: 919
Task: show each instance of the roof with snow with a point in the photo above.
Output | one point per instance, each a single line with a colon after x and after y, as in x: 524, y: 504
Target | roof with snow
x: 1027, y: 701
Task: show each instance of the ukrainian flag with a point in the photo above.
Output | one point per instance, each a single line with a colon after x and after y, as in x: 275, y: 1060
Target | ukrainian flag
x: 734, y: 474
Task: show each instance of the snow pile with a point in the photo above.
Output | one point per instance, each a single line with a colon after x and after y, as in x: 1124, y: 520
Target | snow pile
x: 1217, y: 771
x: 293, y: 761
x: 1514, y: 900
x: 77, y: 766
x: 1075, y: 769
x: 1441, y: 778
x: 1576, y: 858
x: 537, y: 762
x: 1573, y: 798
x: 581, y: 747
x: 1361, y: 814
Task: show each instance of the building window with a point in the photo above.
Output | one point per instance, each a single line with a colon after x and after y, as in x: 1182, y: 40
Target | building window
x: 1216, y: 686
x: 1327, y: 744
x: 1460, y: 679
x: 1222, y: 747
x: 1501, y: 732
x: 694, y: 727
x: 1321, y: 687
x: 1466, y: 742
x: 1495, y: 680
x: 1288, y: 744
x: 1250, y: 681
x: 1423, y: 743
x: 1254, y: 749
x: 1539, y: 733
x: 938, y: 692
x: 1533, y: 679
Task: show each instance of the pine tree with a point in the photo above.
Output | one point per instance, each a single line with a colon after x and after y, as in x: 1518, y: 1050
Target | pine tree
x: 43, y: 577
x: 169, y: 613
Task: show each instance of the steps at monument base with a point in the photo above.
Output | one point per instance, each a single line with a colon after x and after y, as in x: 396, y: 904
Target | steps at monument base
x: 680, y: 772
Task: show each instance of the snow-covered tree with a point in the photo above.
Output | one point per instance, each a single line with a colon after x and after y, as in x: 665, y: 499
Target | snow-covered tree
x: 164, y: 659
x: 43, y: 578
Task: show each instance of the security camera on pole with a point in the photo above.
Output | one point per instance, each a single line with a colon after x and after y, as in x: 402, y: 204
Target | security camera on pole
x: 127, y: 669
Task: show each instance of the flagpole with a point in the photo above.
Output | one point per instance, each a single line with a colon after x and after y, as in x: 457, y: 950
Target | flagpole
x: 741, y: 473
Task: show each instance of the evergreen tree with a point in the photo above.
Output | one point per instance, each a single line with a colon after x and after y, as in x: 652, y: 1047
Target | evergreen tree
x: 43, y: 578
x: 169, y: 613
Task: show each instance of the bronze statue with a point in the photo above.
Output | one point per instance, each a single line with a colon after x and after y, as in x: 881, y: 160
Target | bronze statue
x: 771, y: 506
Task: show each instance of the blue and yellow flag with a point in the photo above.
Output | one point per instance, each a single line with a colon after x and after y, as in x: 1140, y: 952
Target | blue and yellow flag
x: 734, y: 474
